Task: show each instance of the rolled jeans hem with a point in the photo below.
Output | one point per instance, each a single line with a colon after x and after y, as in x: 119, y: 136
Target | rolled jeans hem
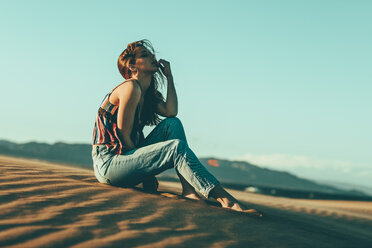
x: 208, y: 190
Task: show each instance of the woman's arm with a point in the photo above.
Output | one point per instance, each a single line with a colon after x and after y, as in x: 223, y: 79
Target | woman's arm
x: 129, y: 96
x: 169, y: 108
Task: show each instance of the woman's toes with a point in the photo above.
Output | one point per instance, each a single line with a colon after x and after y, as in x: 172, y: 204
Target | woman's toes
x: 253, y: 212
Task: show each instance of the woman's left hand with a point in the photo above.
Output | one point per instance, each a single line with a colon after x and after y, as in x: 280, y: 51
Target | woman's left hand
x: 165, y: 68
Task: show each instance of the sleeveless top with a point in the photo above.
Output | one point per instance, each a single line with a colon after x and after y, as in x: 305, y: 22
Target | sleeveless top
x: 106, y: 132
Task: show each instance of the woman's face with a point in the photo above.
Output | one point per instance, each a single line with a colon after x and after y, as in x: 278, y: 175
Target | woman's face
x: 145, y: 60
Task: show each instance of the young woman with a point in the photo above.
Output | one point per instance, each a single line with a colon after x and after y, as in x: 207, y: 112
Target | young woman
x: 121, y: 154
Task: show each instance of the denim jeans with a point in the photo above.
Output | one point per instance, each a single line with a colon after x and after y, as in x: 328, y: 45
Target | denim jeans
x: 164, y: 148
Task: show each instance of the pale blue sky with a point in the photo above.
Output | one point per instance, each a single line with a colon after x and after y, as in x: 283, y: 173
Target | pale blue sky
x: 265, y: 81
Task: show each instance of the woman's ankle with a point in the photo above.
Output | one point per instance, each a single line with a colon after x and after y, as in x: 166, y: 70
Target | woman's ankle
x: 223, y: 197
x: 219, y: 193
x: 226, y: 202
x: 187, y: 189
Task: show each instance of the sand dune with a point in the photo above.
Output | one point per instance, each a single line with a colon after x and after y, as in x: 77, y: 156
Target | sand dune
x: 49, y: 205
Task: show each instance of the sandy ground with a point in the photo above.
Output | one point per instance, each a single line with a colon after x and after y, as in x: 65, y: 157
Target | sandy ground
x: 49, y: 205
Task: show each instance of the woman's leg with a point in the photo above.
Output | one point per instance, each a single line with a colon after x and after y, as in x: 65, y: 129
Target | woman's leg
x: 187, y: 190
x: 131, y: 168
x: 167, y: 129
x: 228, y: 201
x: 172, y: 128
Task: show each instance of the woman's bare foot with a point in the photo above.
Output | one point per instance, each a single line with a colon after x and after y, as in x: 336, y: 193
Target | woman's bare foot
x: 187, y: 190
x: 229, y: 202
x: 191, y: 195
x: 237, y: 207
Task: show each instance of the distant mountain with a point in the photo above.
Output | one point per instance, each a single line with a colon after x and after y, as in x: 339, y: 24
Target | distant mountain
x: 243, y: 172
x: 241, y: 175
x: 229, y: 172
x: 75, y: 154
x: 347, y: 186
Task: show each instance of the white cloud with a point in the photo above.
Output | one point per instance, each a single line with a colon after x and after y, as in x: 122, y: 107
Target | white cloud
x: 364, y: 174
x: 287, y: 161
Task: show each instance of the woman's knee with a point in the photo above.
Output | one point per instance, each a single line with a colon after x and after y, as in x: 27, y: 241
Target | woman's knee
x: 172, y: 121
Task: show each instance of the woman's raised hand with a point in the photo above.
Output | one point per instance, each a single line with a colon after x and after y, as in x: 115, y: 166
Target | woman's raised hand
x: 165, y: 68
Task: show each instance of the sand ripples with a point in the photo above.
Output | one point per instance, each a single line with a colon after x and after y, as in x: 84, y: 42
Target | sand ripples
x: 47, y: 205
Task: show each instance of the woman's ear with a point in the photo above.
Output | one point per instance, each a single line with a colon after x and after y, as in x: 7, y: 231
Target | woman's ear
x: 132, y: 68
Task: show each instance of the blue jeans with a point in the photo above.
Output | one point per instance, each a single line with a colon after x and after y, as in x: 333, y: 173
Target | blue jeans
x: 164, y: 148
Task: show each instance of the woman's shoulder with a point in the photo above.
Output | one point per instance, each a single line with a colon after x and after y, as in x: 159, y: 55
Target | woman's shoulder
x: 130, y: 85
x: 127, y: 88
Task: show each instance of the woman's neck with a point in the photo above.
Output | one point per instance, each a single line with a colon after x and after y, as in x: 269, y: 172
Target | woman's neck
x: 144, y: 81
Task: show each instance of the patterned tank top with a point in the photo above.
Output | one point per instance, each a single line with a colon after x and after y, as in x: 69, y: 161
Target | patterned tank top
x: 106, y: 131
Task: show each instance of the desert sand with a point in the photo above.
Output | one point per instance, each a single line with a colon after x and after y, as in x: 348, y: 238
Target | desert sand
x: 51, y: 205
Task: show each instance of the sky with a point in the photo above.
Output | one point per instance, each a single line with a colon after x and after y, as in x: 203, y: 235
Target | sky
x: 282, y: 84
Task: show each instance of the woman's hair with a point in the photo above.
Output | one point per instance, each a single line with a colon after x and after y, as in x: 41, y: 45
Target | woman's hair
x: 153, y: 96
